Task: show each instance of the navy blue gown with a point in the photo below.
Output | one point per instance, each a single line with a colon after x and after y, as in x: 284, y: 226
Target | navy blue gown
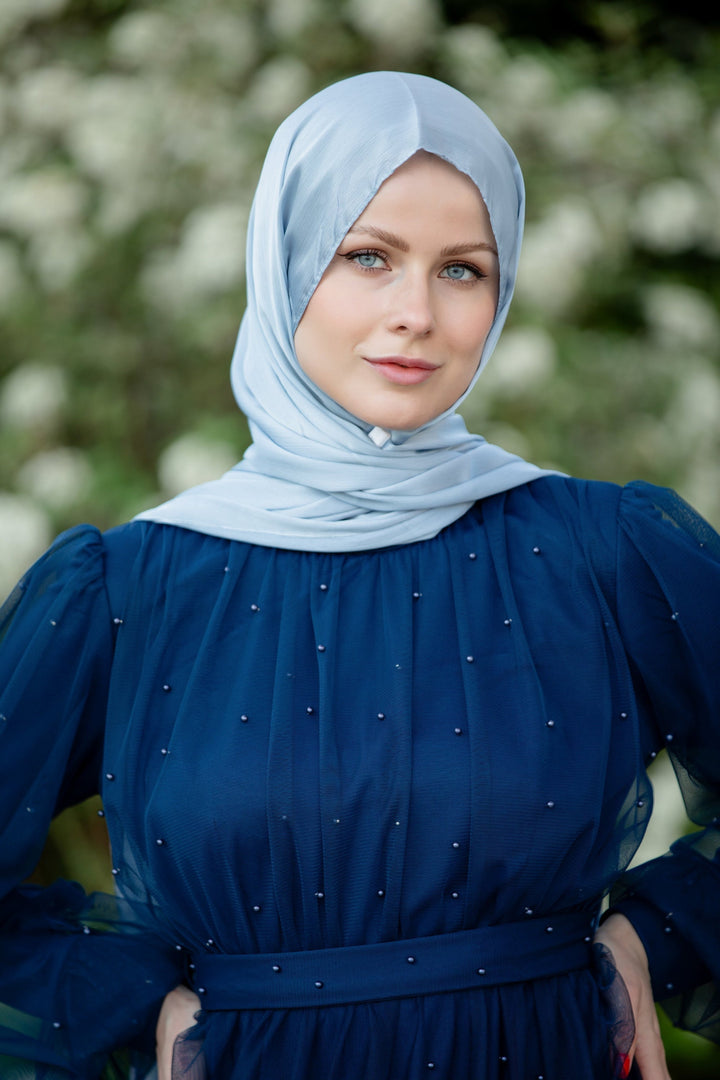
x: 365, y: 804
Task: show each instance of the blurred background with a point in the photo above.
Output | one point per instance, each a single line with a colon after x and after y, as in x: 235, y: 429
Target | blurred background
x: 131, y: 138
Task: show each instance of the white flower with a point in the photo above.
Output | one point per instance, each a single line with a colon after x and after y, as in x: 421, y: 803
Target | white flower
x: 681, y: 318
x: 56, y: 478
x: 671, y: 112
x: 669, y: 216
x: 210, y: 258
x: 583, y: 123
x: 33, y: 396
x: 694, y: 410
x: 172, y: 40
x: 42, y: 200
x: 11, y: 277
x: 14, y: 14
x: 146, y: 38
x: 524, y: 359
x: 529, y: 80
x: 26, y: 532
x: 404, y: 26
x: 555, y: 252
x: 701, y: 485
x: 287, y: 18
x: 114, y: 133
x: 193, y: 459
x: 473, y: 57
x: 45, y: 98
x: 230, y: 40
x: 278, y: 88
x: 58, y: 256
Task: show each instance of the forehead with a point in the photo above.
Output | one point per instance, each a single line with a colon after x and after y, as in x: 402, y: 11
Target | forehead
x: 427, y: 190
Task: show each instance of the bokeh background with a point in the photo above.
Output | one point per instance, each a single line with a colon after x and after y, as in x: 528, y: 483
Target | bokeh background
x: 131, y: 138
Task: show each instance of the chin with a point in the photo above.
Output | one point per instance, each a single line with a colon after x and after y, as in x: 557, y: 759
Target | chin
x: 398, y: 422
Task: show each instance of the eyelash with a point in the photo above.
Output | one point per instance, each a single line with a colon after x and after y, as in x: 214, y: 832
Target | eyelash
x: 352, y: 256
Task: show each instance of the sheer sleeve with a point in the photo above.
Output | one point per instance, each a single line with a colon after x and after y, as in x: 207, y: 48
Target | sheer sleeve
x: 668, y: 602
x: 76, y: 999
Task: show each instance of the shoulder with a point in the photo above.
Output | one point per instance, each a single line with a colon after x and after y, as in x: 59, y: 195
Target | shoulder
x: 562, y: 506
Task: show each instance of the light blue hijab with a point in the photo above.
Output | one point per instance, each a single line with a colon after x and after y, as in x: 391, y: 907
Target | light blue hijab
x: 316, y: 478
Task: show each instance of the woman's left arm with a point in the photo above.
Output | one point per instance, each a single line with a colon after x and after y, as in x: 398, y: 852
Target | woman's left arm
x: 668, y: 608
x: 619, y: 936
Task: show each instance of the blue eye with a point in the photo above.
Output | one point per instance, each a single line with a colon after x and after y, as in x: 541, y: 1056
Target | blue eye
x: 365, y: 258
x: 461, y: 272
x: 368, y: 260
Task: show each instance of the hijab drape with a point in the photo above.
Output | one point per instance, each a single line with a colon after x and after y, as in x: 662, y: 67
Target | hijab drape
x: 316, y: 478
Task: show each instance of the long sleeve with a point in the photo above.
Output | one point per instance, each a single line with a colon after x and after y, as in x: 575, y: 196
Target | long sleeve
x: 71, y: 990
x: 668, y: 603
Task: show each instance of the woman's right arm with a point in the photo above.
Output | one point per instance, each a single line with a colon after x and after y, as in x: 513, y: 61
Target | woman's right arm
x: 79, y: 976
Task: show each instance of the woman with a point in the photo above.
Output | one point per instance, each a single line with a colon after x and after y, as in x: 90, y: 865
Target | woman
x: 374, y: 708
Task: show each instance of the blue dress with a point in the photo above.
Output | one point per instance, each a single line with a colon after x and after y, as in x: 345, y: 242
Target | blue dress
x: 366, y: 804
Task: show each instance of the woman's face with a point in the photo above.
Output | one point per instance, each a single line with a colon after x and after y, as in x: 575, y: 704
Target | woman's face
x: 395, y: 329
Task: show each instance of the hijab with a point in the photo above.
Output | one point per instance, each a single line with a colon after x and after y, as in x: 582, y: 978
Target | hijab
x: 316, y: 478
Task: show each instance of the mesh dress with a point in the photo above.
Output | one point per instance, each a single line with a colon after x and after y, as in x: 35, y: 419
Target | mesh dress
x: 365, y: 804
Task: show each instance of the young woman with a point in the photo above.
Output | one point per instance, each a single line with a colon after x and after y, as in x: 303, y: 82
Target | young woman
x: 371, y: 713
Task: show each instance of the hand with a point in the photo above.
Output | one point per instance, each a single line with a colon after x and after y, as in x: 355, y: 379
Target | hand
x: 176, y: 1015
x: 619, y: 936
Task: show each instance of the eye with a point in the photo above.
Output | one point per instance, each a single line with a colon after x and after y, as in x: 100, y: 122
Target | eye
x: 462, y: 272
x: 367, y: 259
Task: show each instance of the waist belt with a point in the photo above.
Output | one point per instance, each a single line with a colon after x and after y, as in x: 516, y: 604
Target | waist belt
x: 467, y: 959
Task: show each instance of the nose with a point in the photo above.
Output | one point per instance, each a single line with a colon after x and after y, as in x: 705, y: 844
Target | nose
x: 410, y: 308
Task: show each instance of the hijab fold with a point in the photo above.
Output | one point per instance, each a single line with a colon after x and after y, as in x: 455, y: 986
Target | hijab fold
x: 316, y: 478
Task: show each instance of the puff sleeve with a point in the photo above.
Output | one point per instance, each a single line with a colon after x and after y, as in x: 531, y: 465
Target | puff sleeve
x: 668, y: 608
x: 79, y: 976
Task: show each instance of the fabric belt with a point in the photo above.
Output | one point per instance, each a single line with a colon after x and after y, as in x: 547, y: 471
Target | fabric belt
x: 467, y: 959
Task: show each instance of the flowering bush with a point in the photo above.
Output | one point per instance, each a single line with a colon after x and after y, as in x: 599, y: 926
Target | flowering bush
x: 131, y: 138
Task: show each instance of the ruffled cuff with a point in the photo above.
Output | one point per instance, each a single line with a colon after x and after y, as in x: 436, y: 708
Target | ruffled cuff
x: 82, y: 980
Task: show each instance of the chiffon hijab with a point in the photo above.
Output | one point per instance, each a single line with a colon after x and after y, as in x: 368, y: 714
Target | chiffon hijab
x: 316, y: 478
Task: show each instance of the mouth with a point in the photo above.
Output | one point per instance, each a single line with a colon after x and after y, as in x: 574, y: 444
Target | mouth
x: 404, y: 370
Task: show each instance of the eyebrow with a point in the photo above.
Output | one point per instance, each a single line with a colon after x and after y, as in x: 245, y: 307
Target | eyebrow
x: 392, y: 240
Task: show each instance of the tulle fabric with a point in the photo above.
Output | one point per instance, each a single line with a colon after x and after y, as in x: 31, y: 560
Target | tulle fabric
x: 575, y: 1022
x: 301, y: 750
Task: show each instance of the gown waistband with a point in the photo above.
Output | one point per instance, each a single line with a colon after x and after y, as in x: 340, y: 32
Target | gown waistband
x: 463, y: 960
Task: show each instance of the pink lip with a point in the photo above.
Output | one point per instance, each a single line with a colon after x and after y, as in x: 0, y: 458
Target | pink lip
x: 404, y: 370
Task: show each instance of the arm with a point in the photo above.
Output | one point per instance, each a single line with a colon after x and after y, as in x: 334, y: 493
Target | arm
x: 79, y: 976
x: 176, y: 1015
x: 668, y: 606
x: 618, y: 935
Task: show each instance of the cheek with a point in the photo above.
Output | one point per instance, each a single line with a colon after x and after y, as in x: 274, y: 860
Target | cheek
x: 326, y: 319
x: 470, y: 331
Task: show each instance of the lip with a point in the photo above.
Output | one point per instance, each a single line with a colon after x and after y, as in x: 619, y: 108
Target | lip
x: 404, y: 370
